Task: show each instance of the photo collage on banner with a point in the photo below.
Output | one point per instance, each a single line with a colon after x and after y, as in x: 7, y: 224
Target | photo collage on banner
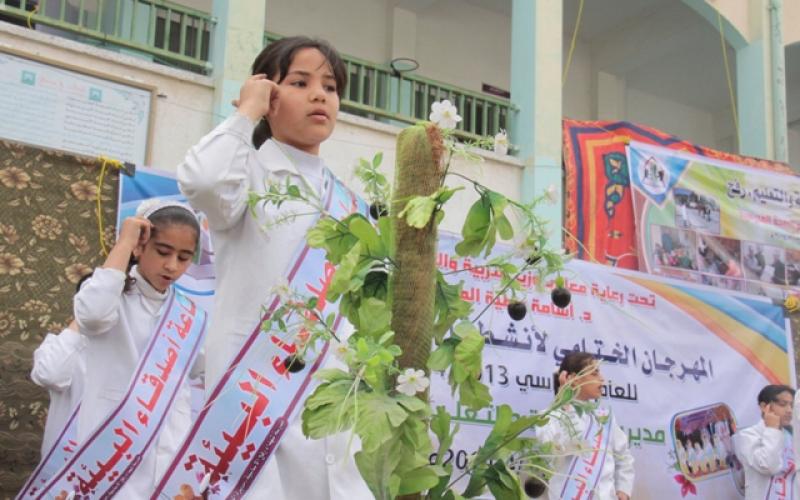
x: 716, y: 223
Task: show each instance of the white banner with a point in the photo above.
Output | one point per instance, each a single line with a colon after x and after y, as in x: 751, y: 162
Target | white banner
x: 683, y: 364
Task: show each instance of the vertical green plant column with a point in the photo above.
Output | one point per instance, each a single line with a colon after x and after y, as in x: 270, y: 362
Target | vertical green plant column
x: 419, y: 172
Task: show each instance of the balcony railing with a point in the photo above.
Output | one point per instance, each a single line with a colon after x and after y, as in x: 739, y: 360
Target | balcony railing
x: 378, y: 92
x: 181, y: 37
x: 170, y: 33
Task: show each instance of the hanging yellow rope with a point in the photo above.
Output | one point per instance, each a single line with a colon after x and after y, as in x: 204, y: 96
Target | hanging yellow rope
x: 30, y: 16
x: 99, y: 208
x: 728, y: 76
x: 572, y: 45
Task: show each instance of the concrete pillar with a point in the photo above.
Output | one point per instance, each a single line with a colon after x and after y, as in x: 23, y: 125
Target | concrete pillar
x: 761, y: 85
x: 536, y: 62
x: 238, y: 38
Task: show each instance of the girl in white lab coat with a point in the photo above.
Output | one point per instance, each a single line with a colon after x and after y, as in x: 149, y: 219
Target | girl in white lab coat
x: 284, y: 112
x: 59, y: 366
x: 566, y: 431
x: 117, y: 310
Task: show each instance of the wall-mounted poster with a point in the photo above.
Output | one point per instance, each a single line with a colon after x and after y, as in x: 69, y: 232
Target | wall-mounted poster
x: 57, y: 108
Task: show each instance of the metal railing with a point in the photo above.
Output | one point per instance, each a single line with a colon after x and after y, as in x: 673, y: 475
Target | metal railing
x: 181, y: 37
x: 172, y: 34
x: 378, y: 92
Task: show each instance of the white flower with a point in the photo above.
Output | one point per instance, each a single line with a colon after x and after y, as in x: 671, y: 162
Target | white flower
x: 340, y: 350
x: 412, y: 381
x: 444, y: 114
x: 551, y: 194
x: 282, y: 290
x: 501, y: 143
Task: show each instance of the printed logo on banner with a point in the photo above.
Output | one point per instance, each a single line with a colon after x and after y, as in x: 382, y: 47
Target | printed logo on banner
x: 655, y: 175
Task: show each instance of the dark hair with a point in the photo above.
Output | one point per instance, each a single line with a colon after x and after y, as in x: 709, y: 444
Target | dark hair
x: 274, y: 61
x: 573, y: 363
x: 162, y: 218
x: 769, y: 394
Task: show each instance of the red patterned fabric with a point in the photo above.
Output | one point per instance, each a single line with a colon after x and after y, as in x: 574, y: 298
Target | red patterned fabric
x: 599, y: 211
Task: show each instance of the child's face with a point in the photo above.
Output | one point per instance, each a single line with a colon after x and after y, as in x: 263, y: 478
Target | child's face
x: 166, y: 255
x: 304, y: 113
x: 782, y: 406
x: 590, y: 383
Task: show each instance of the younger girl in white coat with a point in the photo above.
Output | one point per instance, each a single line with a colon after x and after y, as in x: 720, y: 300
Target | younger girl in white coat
x: 117, y: 311
x: 568, y: 432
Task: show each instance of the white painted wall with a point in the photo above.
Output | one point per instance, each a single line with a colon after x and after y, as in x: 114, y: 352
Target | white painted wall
x: 578, y: 101
x: 675, y: 118
x: 360, y: 28
x: 464, y: 45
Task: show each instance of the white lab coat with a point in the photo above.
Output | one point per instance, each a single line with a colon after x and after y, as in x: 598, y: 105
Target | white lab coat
x: 59, y: 366
x: 760, y: 450
x: 118, y: 327
x: 617, y: 473
x: 216, y: 177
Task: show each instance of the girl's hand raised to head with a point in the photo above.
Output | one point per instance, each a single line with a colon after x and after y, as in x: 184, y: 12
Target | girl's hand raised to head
x: 257, y: 97
x: 135, y: 231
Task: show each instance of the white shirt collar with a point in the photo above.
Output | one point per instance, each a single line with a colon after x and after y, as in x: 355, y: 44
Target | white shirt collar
x: 145, y: 288
x: 283, y: 157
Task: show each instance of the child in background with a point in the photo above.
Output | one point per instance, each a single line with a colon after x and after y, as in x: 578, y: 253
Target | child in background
x: 285, y: 111
x: 59, y: 366
x: 118, y: 310
x: 578, y: 436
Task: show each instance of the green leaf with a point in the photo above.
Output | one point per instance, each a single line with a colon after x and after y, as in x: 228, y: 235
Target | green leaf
x: 418, y: 211
x: 367, y: 235
x: 440, y: 426
x: 318, y: 235
x: 293, y: 191
x: 504, y: 228
x: 413, y: 404
x: 467, y: 356
x: 416, y: 480
x: 477, y: 220
x: 473, y: 394
x: 465, y: 328
x: 475, y: 229
x: 342, y: 279
x: 378, y: 417
x: 333, y: 237
x: 377, y: 159
x: 332, y: 375
x: 441, y: 359
x: 448, y: 306
x: 376, y: 469
x: 477, y: 481
x: 503, y: 483
x: 374, y: 317
x: 386, y: 233
x: 443, y: 194
x: 328, y: 410
x: 498, y: 202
